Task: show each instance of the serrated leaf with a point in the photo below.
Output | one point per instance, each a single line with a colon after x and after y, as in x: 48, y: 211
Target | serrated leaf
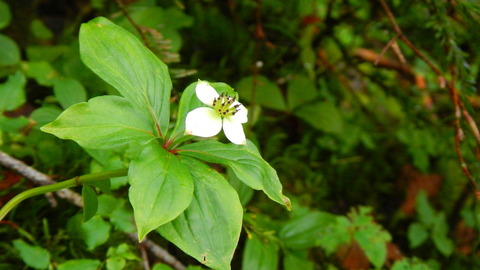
x: 69, y: 91
x: 246, y: 163
x: 210, y: 227
x: 34, y: 256
x: 259, y: 255
x: 265, y: 92
x: 305, y: 231
x: 374, y: 246
x: 12, y: 92
x: 121, y: 60
x: 160, y: 188
x: 336, y: 234
x: 90, y: 202
x: 102, y: 122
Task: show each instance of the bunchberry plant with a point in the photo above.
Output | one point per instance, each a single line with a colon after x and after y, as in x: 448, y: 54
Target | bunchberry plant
x: 172, y: 190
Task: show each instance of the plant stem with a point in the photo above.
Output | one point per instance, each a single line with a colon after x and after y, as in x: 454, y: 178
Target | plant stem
x: 76, y: 181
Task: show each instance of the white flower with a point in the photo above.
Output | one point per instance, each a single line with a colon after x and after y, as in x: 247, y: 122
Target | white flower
x: 223, y: 111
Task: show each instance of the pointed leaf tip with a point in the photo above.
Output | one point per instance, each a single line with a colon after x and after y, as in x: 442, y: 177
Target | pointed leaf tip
x: 288, y: 204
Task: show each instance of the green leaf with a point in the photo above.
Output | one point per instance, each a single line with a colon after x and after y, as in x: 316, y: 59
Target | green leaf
x: 417, y: 234
x: 40, y: 30
x: 245, y: 193
x: 94, y: 232
x: 297, y: 260
x: 300, y: 91
x: 34, y: 256
x: 115, y: 263
x: 321, y: 115
x: 69, y: 91
x: 210, y: 227
x: 12, y: 92
x: 426, y: 213
x: 90, y: 202
x: 42, y: 72
x: 439, y: 235
x: 12, y: 124
x: 118, y: 211
x: 84, y: 264
x: 123, y: 250
x: 335, y: 234
x: 246, y: 163
x: 443, y: 244
x: 48, y: 54
x: 160, y: 188
x: 9, y: 52
x: 102, y: 122
x: 122, y: 218
x: 373, y: 244
x: 266, y: 93
x: 304, y: 232
x: 45, y: 115
x: 120, y: 59
x: 5, y: 15
x: 259, y: 255
x: 107, y: 204
x: 50, y: 152
x: 410, y: 264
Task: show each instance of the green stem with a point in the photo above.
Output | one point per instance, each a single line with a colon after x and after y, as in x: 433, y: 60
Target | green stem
x: 76, y: 181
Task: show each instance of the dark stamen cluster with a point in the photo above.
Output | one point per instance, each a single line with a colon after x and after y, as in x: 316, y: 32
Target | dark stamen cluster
x: 223, y: 105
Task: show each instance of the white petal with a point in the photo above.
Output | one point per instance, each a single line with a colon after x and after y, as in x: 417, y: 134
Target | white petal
x: 205, y: 92
x: 234, y: 131
x: 242, y: 113
x: 203, y: 122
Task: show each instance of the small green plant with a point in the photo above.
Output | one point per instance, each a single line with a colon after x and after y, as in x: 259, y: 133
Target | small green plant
x: 171, y: 189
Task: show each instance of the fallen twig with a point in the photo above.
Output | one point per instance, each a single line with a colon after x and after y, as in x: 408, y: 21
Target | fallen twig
x: 39, y: 178
x: 42, y: 179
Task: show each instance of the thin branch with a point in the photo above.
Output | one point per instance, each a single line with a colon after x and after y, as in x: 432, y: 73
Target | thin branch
x: 38, y: 178
x: 384, y: 50
x: 402, y: 37
x: 144, y: 255
x: 396, y: 49
x: 160, y: 253
x: 471, y: 123
x: 134, y: 24
x: 459, y: 135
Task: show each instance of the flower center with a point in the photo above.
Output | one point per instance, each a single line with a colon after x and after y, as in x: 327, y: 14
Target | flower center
x: 224, y: 105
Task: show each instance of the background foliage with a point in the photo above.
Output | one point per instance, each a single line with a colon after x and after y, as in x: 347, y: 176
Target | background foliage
x: 362, y: 132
